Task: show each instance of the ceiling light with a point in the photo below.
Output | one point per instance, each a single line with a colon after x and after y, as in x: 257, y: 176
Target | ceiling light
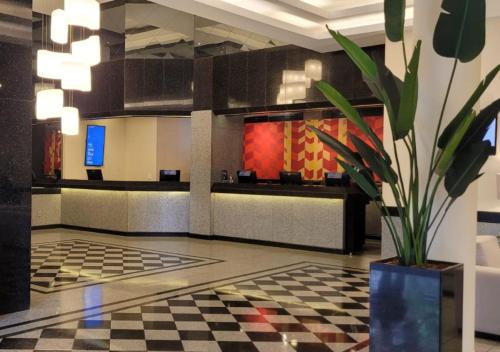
x: 70, y: 121
x: 59, y: 27
x: 49, y: 64
x: 49, y: 103
x: 76, y: 76
x: 87, y: 51
x: 83, y: 13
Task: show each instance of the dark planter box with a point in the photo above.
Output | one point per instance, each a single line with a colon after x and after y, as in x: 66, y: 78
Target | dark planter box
x: 414, y: 309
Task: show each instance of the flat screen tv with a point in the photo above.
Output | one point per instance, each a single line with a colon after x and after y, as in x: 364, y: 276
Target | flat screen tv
x: 491, y: 135
x: 94, y: 146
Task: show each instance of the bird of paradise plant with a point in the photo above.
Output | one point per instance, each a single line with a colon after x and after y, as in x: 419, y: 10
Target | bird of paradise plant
x: 459, y: 150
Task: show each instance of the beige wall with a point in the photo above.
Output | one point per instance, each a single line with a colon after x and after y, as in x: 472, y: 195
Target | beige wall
x: 489, y: 58
x: 114, y: 157
x: 174, y: 146
x: 140, y: 148
x: 135, y: 148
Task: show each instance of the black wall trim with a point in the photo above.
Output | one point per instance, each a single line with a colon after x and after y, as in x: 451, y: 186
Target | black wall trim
x: 275, y: 244
x: 196, y: 236
x: 45, y: 190
x: 113, y: 232
x: 46, y: 227
x: 116, y: 185
x: 487, y: 336
x: 489, y: 217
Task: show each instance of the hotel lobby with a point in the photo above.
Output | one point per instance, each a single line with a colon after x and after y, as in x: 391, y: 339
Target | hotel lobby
x: 243, y: 176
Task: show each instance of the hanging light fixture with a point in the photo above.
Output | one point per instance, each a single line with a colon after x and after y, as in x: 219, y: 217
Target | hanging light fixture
x: 49, y: 103
x: 83, y: 13
x: 76, y: 76
x: 314, y: 70
x: 87, y: 51
x: 70, y: 121
x: 72, y: 69
x: 49, y: 64
x: 59, y: 27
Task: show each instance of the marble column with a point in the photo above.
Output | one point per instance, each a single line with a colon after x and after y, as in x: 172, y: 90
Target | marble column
x: 16, y: 112
x: 456, y: 241
x: 201, y: 170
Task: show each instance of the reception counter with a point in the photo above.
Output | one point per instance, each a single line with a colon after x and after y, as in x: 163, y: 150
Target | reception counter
x: 320, y: 217
x: 130, y: 208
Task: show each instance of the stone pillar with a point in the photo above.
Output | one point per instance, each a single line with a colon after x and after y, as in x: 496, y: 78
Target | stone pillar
x: 456, y: 238
x: 16, y: 112
x: 201, y: 170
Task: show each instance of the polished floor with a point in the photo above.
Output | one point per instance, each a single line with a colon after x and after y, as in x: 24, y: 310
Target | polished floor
x: 111, y: 293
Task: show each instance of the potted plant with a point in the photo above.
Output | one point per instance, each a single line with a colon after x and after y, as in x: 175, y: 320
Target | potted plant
x: 415, y: 303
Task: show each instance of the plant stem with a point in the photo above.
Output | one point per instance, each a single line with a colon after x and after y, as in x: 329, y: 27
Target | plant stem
x: 438, y: 129
x: 439, y: 224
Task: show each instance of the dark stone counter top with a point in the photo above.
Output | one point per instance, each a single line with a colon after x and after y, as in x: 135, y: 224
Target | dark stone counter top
x: 314, y: 191
x: 40, y: 185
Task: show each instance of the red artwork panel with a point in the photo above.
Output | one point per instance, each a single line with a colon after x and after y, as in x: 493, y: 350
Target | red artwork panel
x: 264, y: 149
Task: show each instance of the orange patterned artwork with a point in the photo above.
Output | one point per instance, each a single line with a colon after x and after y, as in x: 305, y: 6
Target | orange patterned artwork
x: 270, y: 147
x: 52, y: 153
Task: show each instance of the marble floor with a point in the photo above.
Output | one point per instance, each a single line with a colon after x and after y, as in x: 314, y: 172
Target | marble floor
x: 111, y: 293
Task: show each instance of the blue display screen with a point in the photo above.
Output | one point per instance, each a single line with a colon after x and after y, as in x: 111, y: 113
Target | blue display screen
x: 94, y: 149
x: 491, y: 134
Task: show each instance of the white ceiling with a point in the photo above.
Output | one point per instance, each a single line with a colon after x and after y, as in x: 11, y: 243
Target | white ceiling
x: 302, y: 22
x: 299, y: 22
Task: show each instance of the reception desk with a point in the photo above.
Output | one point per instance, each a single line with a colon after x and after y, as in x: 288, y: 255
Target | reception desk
x: 320, y: 217
x: 131, y: 208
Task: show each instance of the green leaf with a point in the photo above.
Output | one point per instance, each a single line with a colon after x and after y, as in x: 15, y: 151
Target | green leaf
x: 352, y: 114
x: 409, y: 96
x: 474, y: 98
x: 367, y: 186
x: 446, y: 157
x: 460, y: 30
x: 357, y: 55
x: 465, y: 168
x: 480, y: 125
x: 390, y: 87
x: 374, y: 161
x: 394, y: 19
x: 338, y: 147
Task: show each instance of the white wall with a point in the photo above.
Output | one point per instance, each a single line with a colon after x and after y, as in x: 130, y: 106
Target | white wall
x: 490, y: 57
x: 135, y: 148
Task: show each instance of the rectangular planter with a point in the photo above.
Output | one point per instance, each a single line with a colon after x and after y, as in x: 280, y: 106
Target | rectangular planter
x: 415, y: 309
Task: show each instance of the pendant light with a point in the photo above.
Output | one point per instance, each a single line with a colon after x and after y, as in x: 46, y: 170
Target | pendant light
x: 49, y: 103
x: 49, y: 64
x: 83, y: 13
x: 59, y: 27
x: 76, y: 76
x: 314, y: 70
x: 70, y: 121
x: 87, y: 51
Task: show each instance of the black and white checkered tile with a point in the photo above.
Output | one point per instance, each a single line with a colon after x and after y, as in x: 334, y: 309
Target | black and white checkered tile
x: 76, y: 263
x: 314, y: 308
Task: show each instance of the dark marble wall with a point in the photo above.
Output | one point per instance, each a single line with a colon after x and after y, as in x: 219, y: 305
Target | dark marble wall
x: 244, y: 82
x: 250, y: 81
x: 16, y: 111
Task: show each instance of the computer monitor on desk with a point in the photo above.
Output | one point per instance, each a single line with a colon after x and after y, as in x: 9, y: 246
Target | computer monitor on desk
x: 290, y: 178
x: 338, y: 179
x: 170, y: 175
x: 247, y: 176
x: 94, y: 174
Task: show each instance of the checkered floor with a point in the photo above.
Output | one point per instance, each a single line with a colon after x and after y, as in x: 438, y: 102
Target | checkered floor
x: 76, y: 263
x: 314, y: 308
